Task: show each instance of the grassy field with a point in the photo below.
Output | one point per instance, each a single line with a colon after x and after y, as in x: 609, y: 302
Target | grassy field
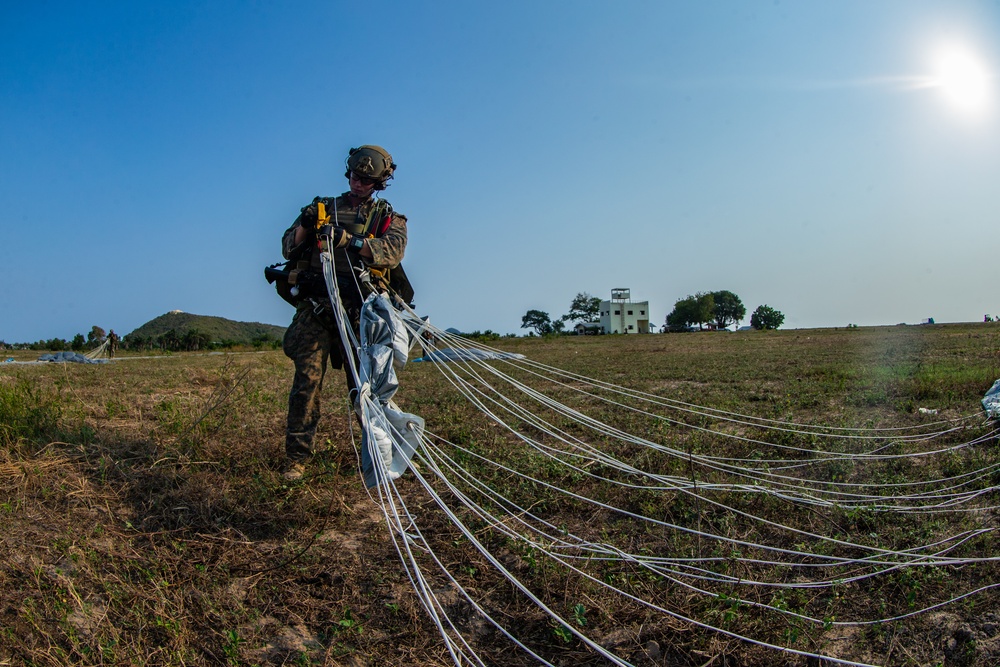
x: 144, y: 521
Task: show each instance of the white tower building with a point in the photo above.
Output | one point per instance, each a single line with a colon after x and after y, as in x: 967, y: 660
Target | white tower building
x: 622, y: 315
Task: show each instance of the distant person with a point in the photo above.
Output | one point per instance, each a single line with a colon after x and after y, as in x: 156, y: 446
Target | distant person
x: 112, y: 344
x: 428, y: 342
x: 366, y: 233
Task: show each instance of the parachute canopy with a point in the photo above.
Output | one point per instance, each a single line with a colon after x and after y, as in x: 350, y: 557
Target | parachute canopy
x: 72, y: 357
x: 991, y: 402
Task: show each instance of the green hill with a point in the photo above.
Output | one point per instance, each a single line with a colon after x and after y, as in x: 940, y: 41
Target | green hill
x: 217, y: 329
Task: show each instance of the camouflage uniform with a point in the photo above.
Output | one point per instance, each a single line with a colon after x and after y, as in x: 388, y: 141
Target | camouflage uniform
x: 312, y: 340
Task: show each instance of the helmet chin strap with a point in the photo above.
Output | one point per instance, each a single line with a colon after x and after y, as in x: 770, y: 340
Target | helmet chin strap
x: 357, y: 199
x: 355, y: 195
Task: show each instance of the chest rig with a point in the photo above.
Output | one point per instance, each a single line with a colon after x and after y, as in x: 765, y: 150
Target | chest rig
x: 372, y: 219
x: 301, y: 278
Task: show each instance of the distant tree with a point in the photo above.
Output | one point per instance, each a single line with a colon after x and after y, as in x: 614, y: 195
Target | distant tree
x: 96, y: 336
x: 139, y: 342
x: 56, y: 345
x: 169, y: 340
x: 78, y: 343
x: 706, y: 308
x: 728, y: 308
x: 691, y: 310
x: 195, y: 340
x: 584, y: 308
x: 676, y: 319
x: 537, y: 320
x: 766, y: 317
x: 558, y: 326
x: 682, y: 316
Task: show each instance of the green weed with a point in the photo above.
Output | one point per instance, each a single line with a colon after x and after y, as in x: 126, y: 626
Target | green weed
x: 27, y: 412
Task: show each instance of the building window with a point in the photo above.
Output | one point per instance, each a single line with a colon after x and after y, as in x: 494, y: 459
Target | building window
x: 630, y: 312
x: 642, y: 312
x: 630, y: 327
x: 618, y: 312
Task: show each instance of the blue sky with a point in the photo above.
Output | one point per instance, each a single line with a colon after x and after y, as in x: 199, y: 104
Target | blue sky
x: 813, y: 156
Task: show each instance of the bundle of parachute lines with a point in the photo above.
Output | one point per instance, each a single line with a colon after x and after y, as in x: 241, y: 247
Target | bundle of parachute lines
x: 763, y: 546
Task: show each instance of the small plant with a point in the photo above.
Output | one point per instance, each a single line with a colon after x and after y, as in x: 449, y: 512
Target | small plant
x: 563, y: 633
x: 732, y: 604
x: 348, y: 624
x: 232, y: 647
x: 114, y: 408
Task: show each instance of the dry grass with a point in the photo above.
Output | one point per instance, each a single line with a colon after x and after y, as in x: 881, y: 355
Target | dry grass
x: 144, y: 521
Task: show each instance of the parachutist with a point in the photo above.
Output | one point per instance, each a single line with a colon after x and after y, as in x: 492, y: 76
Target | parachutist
x: 364, y: 234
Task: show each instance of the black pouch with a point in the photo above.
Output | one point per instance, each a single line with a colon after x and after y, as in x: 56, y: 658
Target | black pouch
x: 400, y: 285
x: 285, y: 276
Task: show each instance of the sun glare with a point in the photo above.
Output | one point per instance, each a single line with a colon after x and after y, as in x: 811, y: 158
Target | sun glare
x: 963, y: 79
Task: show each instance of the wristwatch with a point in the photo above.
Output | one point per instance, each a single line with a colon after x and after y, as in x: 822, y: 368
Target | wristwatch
x: 356, y: 244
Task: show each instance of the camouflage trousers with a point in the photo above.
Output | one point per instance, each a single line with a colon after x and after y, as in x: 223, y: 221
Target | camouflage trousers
x: 311, y: 342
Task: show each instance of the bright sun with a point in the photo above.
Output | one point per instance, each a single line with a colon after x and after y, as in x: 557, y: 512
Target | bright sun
x: 962, y: 78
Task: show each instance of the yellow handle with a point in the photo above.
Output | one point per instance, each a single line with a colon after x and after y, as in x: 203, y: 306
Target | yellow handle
x: 322, y: 217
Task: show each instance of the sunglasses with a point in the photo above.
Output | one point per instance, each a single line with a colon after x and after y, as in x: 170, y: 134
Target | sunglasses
x: 364, y: 180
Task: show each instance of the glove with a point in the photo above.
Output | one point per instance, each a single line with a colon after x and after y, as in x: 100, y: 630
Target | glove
x: 341, y: 238
x: 338, y: 236
x: 309, y: 216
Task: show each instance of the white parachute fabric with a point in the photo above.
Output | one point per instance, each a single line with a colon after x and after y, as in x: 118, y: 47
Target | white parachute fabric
x: 991, y: 402
x: 384, y: 345
x: 99, y: 350
x: 389, y: 433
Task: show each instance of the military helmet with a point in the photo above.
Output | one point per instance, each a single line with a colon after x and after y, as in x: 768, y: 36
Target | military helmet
x: 371, y: 162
